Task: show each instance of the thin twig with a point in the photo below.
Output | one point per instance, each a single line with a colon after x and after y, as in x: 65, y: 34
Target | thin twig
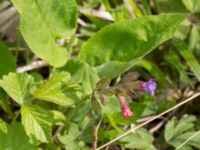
x: 195, y: 134
x: 157, y: 127
x: 95, y: 135
x: 144, y: 119
x: 100, y: 14
x: 129, y: 9
x: 34, y: 65
x: 161, y: 123
x: 81, y: 22
x: 145, y: 123
x: 57, y: 131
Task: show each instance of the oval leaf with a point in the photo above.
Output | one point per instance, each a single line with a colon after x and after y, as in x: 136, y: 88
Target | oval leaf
x: 43, y: 22
x: 128, y: 40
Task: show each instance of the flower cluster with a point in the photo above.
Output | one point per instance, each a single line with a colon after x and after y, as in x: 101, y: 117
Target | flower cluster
x: 149, y: 86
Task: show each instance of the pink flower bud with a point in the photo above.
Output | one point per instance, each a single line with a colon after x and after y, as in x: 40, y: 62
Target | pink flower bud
x: 126, y: 112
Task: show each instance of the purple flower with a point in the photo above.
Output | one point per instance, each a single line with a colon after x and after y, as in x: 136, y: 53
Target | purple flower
x: 148, y: 86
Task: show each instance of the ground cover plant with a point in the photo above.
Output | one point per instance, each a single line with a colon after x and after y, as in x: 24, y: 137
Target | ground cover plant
x: 99, y: 74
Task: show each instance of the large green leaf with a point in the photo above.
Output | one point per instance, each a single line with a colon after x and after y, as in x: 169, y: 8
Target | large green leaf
x: 43, y: 22
x: 37, y: 122
x: 18, y: 86
x: 128, y: 40
x: 114, y: 68
x: 7, y: 60
x: 15, y: 139
x: 59, y: 89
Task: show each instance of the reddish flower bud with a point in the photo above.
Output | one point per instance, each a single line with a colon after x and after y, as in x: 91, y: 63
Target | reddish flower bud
x: 126, y: 112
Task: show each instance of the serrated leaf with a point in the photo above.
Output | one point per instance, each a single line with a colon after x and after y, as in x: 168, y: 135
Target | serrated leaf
x: 7, y: 60
x: 141, y: 139
x: 18, y: 86
x: 58, y: 89
x: 194, y: 142
x: 84, y: 74
x: 3, y: 126
x: 177, y: 132
x: 189, y: 57
x: 15, y: 139
x: 173, y: 129
x: 128, y: 40
x: 70, y: 140
x: 50, y: 21
x: 37, y: 122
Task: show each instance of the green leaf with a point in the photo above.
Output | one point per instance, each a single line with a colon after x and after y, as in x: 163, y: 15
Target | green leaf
x: 97, y: 21
x: 162, y: 6
x: 4, y: 103
x: 194, y: 142
x: 3, y: 126
x: 192, y: 5
x: 37, y: 122
x: 18, y: 86
x: 59, y: 89
x: 177, y: 132
x: 153, y: 69
x: 128, y: 40
x: 113, y: 112
x: 7, y: 60
x: 141, y: 139
x: 186, y: 123
x: 50, y: 21
x: 113, y: 69
x: 59, y: 118
x: 70, y: 139
x: 175, y: 61
x: 84, y: 74
x: 189, y: 57
x: 15, y: 139
x: 194, y: 37
x: 183, y: 30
